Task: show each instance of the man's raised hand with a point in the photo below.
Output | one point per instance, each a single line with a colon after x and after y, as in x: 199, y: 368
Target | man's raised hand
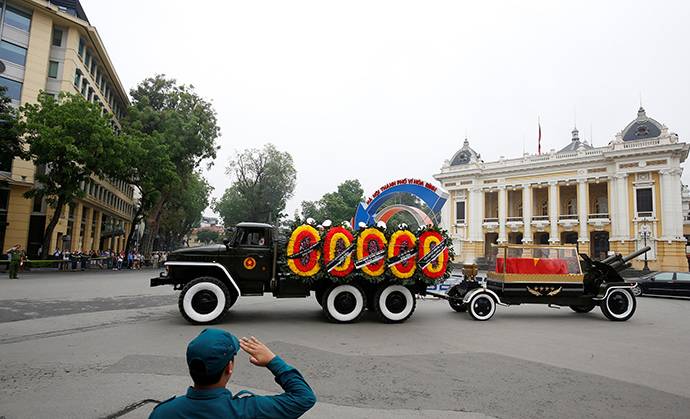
x: 259, y: 354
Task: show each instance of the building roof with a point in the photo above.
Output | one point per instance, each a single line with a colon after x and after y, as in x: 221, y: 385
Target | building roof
x: 465, y: 155
x: 72, y: 7
x: 575, y: 143
x: 642, y: 127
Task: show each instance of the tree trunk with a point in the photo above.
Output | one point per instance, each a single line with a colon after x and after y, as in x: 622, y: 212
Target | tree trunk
x: 152, y: 225
x: 48, y: 233
x: 135, y: 221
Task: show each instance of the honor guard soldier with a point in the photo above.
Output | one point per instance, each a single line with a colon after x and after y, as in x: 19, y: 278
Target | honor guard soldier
x: 15, y: 255
x: 211, y: 361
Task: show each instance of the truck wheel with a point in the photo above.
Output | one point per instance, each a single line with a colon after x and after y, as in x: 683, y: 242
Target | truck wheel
x: 482, y: 306
x: 394, y: 303
x: 456, y: 293
x: 620, y: 305
x: 582, y: 309
x: 344, y: 303
x: 205, y: 300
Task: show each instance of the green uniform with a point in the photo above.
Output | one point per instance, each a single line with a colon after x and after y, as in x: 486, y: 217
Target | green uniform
x: 15, y: 258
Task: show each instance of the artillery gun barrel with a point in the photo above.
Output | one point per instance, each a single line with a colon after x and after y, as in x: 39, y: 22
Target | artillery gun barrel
x: 610, y: 258
x: 621, y: 263
x: 637, y: 253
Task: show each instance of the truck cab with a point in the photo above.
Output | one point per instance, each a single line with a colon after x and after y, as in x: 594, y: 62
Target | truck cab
x: 213, y: 277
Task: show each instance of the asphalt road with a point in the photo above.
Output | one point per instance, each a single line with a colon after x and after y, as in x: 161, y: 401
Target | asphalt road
x: 90, y: 345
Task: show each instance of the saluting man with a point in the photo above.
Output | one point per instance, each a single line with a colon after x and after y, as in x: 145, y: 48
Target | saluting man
x: 211, y: 362
x: 15, y: 257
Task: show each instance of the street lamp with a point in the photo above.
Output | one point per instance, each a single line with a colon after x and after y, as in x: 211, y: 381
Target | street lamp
x: 645, y: 233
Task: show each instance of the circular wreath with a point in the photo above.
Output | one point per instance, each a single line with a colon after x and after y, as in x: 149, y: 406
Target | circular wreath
x: 302, y: 238
x: 338, y: 239
x: 370, y: 241
x: 400, y: 242
x: 427, y: 241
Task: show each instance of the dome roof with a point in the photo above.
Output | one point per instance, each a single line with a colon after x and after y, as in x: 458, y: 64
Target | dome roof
x: 575, y: 143
x: 465, y: 155
x: 642, y: 127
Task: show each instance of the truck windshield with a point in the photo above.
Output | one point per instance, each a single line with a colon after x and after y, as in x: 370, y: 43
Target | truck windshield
x: 251, y: 237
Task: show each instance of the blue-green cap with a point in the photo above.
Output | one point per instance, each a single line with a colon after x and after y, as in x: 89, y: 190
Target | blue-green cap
x: 214, y: 347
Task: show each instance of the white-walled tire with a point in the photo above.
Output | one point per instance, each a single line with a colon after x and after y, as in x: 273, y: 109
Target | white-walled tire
x: 619, y: 305
x: 394, y: 303
x: 482, y: 306
x: 344, y: 303
x: 205, y: 300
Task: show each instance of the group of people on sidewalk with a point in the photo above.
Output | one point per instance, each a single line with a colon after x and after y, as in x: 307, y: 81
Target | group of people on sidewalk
x: 66, y: 260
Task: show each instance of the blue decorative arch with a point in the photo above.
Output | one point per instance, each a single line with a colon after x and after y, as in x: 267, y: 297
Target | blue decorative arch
x: 435, y: 200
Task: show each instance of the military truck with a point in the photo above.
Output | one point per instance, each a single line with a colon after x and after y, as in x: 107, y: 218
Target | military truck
x: 254, y: 260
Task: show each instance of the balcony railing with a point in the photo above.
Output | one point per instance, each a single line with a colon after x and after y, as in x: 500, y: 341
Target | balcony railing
x: 540, y: 218
x: 599, y: 215
x: 567, y: 217
x: 514, y: 219
x: 491, y: 219
x: 645, y: 214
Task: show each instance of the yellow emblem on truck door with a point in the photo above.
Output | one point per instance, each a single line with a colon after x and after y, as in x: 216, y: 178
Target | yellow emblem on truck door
x: 249, y: 263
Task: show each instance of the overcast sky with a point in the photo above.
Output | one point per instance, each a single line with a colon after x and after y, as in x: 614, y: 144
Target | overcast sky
x: 379, y: 90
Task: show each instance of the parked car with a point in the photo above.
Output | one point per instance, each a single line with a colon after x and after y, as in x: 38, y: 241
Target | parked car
x: 664, y: 283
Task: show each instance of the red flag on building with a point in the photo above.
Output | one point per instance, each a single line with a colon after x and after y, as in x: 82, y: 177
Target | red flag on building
x: 539, y: 139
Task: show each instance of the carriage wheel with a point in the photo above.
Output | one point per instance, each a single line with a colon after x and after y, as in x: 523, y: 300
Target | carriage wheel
x: 456, y: 293
x: 619, y: 305
x: 482, y: 306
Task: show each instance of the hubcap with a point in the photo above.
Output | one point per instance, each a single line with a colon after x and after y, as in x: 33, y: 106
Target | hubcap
x: 618, y: 303
x: 345, y: 302
x: 204, y: 302
x: 396, y: 302
x: 482, y: 306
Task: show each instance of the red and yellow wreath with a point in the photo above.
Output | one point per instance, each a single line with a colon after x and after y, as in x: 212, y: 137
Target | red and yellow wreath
x: 337, y: 255
x: 436, y: 267
x: 401, y: 242
x: 371, y: 252
x: 303, y: 251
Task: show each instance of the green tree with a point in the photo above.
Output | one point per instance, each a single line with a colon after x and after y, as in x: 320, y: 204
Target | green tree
x: 182, y: 129
x: 207, y: 236
x: 11, y: 143
x: 150, y: 170
x: 183, y: 210
x: 336, y: 206
x: 262, y: 182
x: 69, y: 140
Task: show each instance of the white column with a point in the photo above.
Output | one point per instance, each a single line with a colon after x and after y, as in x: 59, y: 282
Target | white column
x: 582, y: 210
x: 613, y: 210
x: 446, y: 222
x: 527, y: 213
x: 502, y: 214
x: 671, y: 205
x: 553, y: 212
x: 476, y: 214
x: 622, y: 207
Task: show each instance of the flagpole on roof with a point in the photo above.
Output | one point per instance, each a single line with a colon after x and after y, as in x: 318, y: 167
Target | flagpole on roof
x: 539, y: 137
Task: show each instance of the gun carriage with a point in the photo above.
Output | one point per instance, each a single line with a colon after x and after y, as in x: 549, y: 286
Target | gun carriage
x: 553, y: 275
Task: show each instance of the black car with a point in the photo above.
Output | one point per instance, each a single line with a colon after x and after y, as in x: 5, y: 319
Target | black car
x: 664, y: 283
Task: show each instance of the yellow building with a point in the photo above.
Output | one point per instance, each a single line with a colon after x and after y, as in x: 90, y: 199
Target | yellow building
x: 607, y: 199
x: 51, y: 46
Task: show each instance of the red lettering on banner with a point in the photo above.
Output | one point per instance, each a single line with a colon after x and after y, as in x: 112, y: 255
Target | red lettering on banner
x: 408, y: 181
